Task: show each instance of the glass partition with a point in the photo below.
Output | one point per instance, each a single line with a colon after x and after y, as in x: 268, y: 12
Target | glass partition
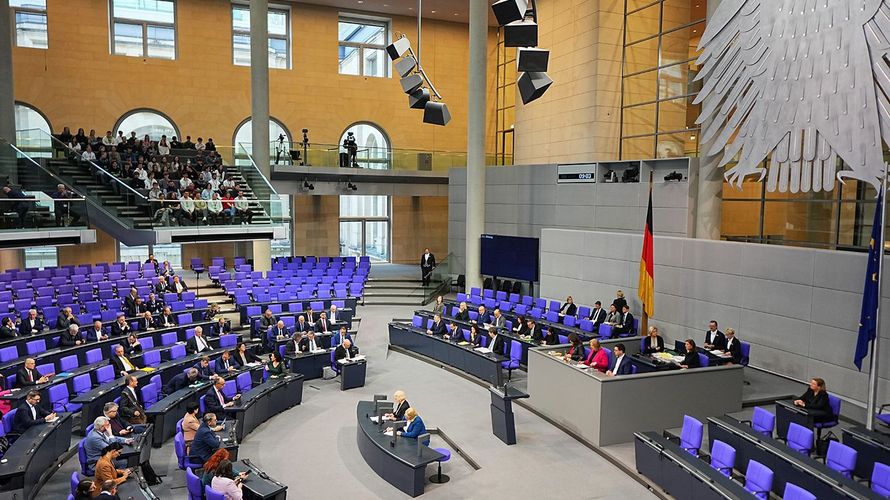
x: 374, y: 157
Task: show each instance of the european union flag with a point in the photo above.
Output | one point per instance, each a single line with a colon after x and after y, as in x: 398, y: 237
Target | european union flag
x: 871, y: 294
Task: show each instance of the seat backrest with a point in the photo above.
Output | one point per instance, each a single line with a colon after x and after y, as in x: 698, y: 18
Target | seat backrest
x: 799, y: 438
x: 82, y: 458
x: 244, y: 382
x: 7, y: 420
x: 722, y: 457
x: 841, y: 458
x: 835, y: 403
x: 105, y: 374
x: 745, y: 349
x: 794, y: 492
x: 763, y: 421
x: 151, y: 358
x: 515, y: 350
x: 758, y: 478
x: 880, y: 477
x: 68, y: 363
x: 81, y: 383
x: 179, y: 449
x: 691, y: 434
x: 703, y: 360
x: 211, y: 494
x: 193, y: 483
x: 8, y: 353
x: 177, y: 351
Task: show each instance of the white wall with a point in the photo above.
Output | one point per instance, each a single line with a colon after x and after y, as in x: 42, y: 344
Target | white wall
x: 799, y: 308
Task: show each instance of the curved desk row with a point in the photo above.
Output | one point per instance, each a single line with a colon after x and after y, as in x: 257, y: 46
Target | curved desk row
x: 402, y: 464
x: 486, y: 366
x: 266, y: 400
x: 33, y: 455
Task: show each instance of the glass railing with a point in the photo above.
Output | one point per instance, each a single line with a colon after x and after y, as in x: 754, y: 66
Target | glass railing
x: 333, y: 155
x: 32, y: 198
x: 440, y: 281
x: 216, y: 212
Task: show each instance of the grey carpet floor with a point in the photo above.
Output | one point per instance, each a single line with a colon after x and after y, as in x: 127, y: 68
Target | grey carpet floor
x: 311, y: 448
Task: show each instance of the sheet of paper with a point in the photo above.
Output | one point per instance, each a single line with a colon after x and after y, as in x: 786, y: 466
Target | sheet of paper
x: 483, y: 350
x: 388, y: 433
x: 374, y: 419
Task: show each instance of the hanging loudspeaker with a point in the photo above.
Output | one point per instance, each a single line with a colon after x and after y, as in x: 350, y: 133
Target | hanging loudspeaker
x: 507, y: 11
x: 418, y: 98
x: 411, y: 83
x: 521, y: 34
x: 533, y: 85
x: 406, y: 65
x: 436, y: 113
x: 398, y: 48
x: 532, y: 59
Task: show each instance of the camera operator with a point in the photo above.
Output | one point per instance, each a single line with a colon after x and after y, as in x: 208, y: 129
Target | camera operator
x: 352, y: 150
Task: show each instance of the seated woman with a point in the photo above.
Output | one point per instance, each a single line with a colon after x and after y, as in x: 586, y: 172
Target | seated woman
x: 105, y: 469
x: 211, y: 465
x: 550, y: 337
x: 439, y: 306
x: 275, y: 366
x: 475, y: 337
x: 414, y: 427
x: 653, y: 343
x: 190, y: 424
x: 690, y: 359
x: 576, y: 352
x: 597, y: 358
x: 225, y: 481
x: 815, y: 400
x: 521, y: 328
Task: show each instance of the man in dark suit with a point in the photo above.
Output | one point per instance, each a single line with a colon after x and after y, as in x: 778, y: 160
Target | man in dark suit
x: 153, y: 304
x: 621, y: 364
x: 438, y: 327
x: 121, y: 363
x: 132, y: 347
x: 146, y: 323
x: 205, y: 371
x: 71, y: 337
x: 222, y: 326
x: 267, y: 320
x: 215, y: 401
x: 626, y: 323
x: 311, y: 317
x: 28, y: 376
x: 345, y: 350
x: 322, y: 325
x: 495, y: 341
x: 177, y: 286
x: 30, y: 414
x: 31, y: 325
x: 535, y: 330
x: 130, y: 301
x: 119, y: 428
x: 206, y: 441
x: 427, y: 264
x: 197, y: 343
x: 109, y: 491
x: 181, y: 381
x: 301, y: 326
x: 224, y: 364
x: 498, y: 320
x: 484, y: 318
x: 166, y: 319
x: 733, y: 346
x: 160, y: 288
x: 120, y: 327
x: 292, y: 346
x: 131, y: 409
x: 309, y: 343
x: 138, y: 308
x: 569, y: 308
x: 96, y: 333
x: 714, y: 338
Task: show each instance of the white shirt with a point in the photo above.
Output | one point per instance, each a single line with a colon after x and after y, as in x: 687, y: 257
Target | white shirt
x: 88, y: 156
x: 617, y: 364
x: 200, y: 343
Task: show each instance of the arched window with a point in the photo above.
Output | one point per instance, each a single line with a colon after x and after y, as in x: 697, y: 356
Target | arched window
x: 146, y: 121
x: 31, y: 127
x: 243, y: 137
x: 373, y: 146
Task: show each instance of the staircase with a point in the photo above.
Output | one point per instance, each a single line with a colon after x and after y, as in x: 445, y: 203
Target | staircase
x: 398, y: 291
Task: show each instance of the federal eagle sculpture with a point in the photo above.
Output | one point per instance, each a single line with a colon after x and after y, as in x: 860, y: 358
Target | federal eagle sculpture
x: 804, y: 82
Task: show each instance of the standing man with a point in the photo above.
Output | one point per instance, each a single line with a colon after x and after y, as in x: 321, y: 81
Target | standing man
x: 427, y: 264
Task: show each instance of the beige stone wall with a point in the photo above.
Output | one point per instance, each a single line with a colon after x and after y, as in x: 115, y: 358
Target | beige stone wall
x: 316, y: 225
x: 103, y: 250
x: 578, y: 118
x: 419, y: 222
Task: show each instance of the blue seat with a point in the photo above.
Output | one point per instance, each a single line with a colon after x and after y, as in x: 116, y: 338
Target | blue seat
x: 691, y: 434
x: 177, y: 351
x: 703, y: 360
x: 193, y: 484
x: 105, y: 374
x: 182, y: 459
x: 81, y: 384
x: 763, y: 421
x: 82, y: 458
x: 758, y: 479
x: 515, y: 358
x: 149, y: 395
x: 93, y: 356
x: 228, y: 340
x: 880, y: 477
x: 745, y: 350
x: 841, y: 458
x: 151, y: 358
x: 440, y: 478
x: 211, y: 494
x: 7, y: 420
x: 417, y: 321
x: 243, y: 382
x: 169, y: 338
x: 59, y: 399
x: 722, y: 457
x: 835, y: 403
x: 799, y: 438
x: 794, y: 492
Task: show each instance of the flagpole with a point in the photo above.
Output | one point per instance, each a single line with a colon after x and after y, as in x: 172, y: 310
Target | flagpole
x: 873, y: 359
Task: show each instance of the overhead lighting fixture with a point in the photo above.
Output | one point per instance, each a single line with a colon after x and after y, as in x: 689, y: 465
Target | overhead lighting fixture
x: 519, y: 19
x: 307, y: 186
x: 417, y: 84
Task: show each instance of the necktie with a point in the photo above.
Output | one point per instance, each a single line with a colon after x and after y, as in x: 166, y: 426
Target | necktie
x: 30, y: 378
x: 324, y: 326
x: 220, y: 396
x: 312, y: 345
x: 127, y: 365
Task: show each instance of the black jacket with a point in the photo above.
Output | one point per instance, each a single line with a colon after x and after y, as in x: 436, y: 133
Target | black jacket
x: 303, y: 345
x: 22, y: 378
x: 649, y: 348
x: 691, y: 360
x: 598, y: 316
x: 211, y: 403
x: 26, y: 326
x: 430, y: 263
x: 129, y: 405
x: 462, y: 316
x: 249, y: 357
x: 719, y: 339
x: 438, y: 328
x: 24, y: 420
x: 568, y: 309
x: 340, y: 353
x: 735, y: 350
x: 191, y: 346
x: 117, y: 330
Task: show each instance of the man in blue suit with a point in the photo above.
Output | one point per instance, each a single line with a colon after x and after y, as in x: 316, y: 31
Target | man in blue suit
x: 621, y: 365
x: 484, y: 318
x: 205, y: 371
x: 340, y: 336
x: 206, y: 441
x: 223, y: 364
x: 98, y: 439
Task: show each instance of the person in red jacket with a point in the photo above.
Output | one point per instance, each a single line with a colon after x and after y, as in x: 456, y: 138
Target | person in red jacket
x: 597, y: 357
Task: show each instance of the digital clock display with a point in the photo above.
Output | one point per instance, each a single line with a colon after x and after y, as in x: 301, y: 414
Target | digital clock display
x: 576, y: 173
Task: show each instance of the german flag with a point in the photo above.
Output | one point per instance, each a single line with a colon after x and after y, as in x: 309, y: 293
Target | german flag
x: 646, y: 289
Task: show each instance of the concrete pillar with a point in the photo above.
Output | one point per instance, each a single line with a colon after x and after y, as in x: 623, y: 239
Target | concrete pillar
x: 7, y: 94
x: 259, y: 82
x: 476, y: 140
x: 709, y: 200
x: 262, y: 255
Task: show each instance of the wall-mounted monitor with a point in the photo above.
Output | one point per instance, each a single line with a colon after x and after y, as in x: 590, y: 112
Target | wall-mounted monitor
x: 511, y: 257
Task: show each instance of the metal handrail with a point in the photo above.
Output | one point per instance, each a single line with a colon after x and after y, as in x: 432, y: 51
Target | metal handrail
x: 258, y: 171
x: 49, y: 173
x: 114, y: 178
